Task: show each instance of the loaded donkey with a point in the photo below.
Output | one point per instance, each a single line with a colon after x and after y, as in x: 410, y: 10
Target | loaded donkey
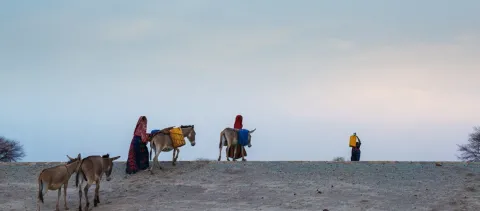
x: 229, y: 137
x: 55, y: 177
x: 161, y: 141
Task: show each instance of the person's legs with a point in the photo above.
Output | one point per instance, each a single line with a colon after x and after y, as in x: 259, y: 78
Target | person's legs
x: 132, y: 167
x: 352, y: 157
x: 143, y: 162
x: 355, y: 155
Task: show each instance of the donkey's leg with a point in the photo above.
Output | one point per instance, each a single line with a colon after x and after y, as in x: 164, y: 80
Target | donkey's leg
x: 155, y: 160
x: 176, y: 157
x: 220, y: 154
x: 173, y: 156
x: 96, y: 199
x: 58, y: 198
x: 65, y: 185
x: 243, y: 154
x: 227, y: 150
x: 235, y: 153
x: 86, y: 195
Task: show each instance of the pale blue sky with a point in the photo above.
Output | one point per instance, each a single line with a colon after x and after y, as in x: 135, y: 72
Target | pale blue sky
x: 75, y: 76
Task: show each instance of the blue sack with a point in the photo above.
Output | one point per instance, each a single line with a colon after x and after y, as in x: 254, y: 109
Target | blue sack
x: 154, y: 131
x: 243, y: 137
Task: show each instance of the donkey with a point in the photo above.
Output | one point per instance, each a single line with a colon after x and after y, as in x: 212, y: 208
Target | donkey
x: 91, y: 170
x: 161, y: 142
x: 55, y: 177
x: 229, y: 138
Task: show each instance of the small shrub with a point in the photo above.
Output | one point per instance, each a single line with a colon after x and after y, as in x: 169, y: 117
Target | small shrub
x: 204, y: 159
x: 10, y: 150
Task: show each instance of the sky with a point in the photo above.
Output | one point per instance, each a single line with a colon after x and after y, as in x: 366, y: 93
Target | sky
x: 404, y: 75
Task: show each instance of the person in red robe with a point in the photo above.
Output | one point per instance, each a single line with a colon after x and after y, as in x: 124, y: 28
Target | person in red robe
x: 138, y: 152
x: 237, y: 125
x: 238, y: 122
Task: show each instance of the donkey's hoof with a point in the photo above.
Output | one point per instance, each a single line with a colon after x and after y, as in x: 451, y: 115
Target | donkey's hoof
x: 66, y: 208
x: 219, y: 159
x: 174, y: 164
x: 244, y: 159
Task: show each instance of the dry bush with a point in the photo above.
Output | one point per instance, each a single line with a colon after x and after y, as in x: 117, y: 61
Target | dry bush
x: 471, y: 151
x: 338, y: 159
x: 10, y: 150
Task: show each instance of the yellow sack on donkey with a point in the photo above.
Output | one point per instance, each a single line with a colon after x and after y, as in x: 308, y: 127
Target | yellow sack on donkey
x: 176, y: 135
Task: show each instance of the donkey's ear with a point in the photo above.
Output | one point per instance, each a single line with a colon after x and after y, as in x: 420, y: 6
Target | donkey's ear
x: 114, y: 158
x: 69, y: 157
x: 252, y: 130
x: 79, y: 156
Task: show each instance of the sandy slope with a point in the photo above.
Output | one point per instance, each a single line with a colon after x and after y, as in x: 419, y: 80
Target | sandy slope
x: 264, y: 186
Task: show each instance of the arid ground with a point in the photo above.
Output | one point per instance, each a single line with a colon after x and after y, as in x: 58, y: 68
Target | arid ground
x: 211, y: 185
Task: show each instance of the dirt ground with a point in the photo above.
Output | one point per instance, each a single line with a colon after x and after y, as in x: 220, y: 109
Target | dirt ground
x: 211, y: 185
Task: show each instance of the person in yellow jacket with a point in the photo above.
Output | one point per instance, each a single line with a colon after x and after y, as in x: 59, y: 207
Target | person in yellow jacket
x: 356, y: 148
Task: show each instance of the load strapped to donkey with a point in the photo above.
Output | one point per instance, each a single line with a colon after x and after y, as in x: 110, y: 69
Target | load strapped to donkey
x: 239, y: 145
x: 175, y: 133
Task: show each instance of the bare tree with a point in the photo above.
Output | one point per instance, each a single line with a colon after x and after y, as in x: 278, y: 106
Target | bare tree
x: 10, y: 150
x: 471, y: 151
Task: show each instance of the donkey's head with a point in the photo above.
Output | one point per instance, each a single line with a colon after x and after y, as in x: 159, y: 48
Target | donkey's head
x: 76, y: 160
x: 108, y: 165
x: 250, y: 137
x: 189, y: 132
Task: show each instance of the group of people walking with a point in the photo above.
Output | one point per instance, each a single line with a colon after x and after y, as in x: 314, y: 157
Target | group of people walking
x: 138, y: 153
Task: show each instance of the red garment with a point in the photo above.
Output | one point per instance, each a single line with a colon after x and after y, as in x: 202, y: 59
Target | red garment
x: 238, y: 122
x: 141, y: 129
x: 238, y: 125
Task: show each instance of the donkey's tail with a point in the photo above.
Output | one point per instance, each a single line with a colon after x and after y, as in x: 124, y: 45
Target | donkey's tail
x: 40, y: 188
x: 77, y: 177
x: 222, y: 135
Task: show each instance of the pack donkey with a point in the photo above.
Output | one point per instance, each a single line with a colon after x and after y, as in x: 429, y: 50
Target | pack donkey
x: 229, y: 138
x: 55, y: 177
x: 161, y: 142
x: 91, y: 170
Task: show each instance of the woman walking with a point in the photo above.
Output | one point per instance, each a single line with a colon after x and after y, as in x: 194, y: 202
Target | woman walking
x: 237, y: 125
x: 138, y: 153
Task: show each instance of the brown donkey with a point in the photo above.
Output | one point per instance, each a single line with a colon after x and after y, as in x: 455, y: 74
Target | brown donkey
x: 229, y: 138
x: 161, y: 142
x: 55, y: 177
x: 91, y: 170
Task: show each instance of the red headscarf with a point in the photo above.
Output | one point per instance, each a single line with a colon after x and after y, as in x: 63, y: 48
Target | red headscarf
x: 238, y: 122
x: 141, y: 128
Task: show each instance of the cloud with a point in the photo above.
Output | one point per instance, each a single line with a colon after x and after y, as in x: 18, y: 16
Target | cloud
x: 436, y: 82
